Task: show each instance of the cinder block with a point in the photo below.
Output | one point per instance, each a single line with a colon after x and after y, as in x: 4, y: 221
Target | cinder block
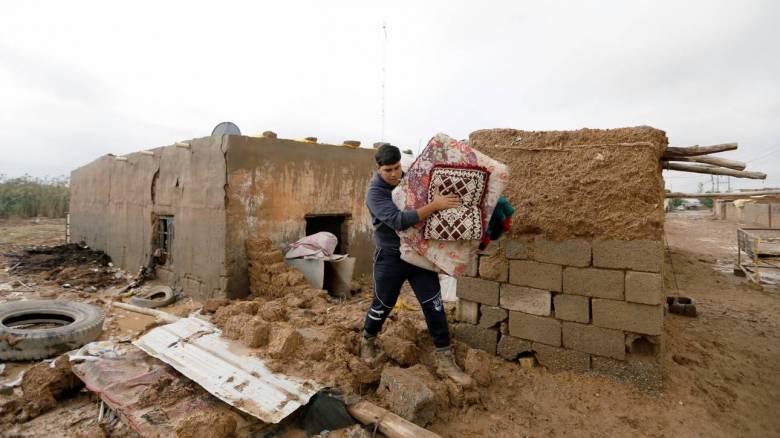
x: 476, y: 337
x: 475, y: 289
x: 525, y: 299
x: 590, y: 282
x: 491, y: 316
x: 472, y: 267
x: 534, y: 274
x: 535, y: 328
x: 495, y: 267
x: 573, y: 252
x: 510, y: 347
x: 491, y: 249
x: 637, y: 318
x: 572, y: 308
x: 637, y: 255
x: 560, y: 359
x: 647, y: 375
x: 594, y: 340
x: 467, y: 311
x: 644, y: 287
x: 515, y: 249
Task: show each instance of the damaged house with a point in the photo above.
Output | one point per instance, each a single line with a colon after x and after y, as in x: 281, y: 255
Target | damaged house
x: 199, y: 201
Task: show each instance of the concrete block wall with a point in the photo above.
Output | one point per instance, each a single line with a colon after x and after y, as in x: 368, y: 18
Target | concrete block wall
x: 576, y: 304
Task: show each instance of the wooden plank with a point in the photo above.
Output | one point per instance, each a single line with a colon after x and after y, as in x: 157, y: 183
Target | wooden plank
x: 388, y: 423
x: 732, y: 195
x: 716, y: 161
x: 691, y: 151
x: 713, y: 170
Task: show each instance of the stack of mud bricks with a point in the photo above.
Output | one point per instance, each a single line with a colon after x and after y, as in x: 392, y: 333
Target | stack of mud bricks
x: 578, y: 305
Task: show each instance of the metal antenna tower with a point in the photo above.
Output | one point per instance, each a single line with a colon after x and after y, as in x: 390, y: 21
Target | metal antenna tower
x: 384, y: 74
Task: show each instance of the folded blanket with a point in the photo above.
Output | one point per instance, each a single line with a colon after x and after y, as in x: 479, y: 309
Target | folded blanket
x: 449, y: 256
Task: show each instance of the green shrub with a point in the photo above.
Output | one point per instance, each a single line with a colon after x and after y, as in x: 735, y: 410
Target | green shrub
x: 27, y: 196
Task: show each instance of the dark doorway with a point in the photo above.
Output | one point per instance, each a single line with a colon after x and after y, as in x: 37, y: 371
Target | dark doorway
x: 337, y: 224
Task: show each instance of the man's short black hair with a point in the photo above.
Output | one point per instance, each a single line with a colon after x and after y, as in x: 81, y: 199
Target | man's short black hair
x: 387, y: 154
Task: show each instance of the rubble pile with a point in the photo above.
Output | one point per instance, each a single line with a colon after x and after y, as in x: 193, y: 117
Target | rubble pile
x: 269, y: 275
x: 71, y: 264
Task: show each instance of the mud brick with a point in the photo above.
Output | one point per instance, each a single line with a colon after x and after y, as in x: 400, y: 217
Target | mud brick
x: 637, y: 318
x: 515, y: 249
x: 594, y: 340
x: 534, y: 274
x: 572, y: 308
x: 560, y: 359
x: 477, y: 337
x: 407, y: 393
x: 467, y: 311
x: 644, y: 374
x: 644, y: 287
x: 525, y: 299
x: 535, y: 328
x: 637, y: 255
x: 591, y: 282
x: 495, y: 267
x: 510, y: 347
x: 491, y: 316
x: 475, y: 289
x: 574, y: 252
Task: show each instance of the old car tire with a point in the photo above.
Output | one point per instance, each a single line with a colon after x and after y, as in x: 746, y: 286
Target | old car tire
x: 78, y: 324
x: 157, y: 296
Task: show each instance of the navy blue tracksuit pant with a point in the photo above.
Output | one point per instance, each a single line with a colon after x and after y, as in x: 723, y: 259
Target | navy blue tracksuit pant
x: 390, y: 272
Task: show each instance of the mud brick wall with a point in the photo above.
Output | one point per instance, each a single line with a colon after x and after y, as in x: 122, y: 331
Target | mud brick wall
x: 578, y: 283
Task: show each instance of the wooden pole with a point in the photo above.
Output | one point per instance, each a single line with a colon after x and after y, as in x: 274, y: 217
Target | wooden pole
x: 713, y: 171
x: 721, y: 162
x: 691, y: 151
x: 734, y: 195
x: 387, y: 422
x: 165, y: 317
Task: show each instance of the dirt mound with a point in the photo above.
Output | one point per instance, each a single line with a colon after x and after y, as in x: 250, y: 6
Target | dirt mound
x: 593, y: 183
x: 216, y: 423
x: 43, y: 385
x: 74, y: 264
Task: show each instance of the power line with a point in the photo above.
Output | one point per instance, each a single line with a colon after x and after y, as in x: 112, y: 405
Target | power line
x: 777, y: 149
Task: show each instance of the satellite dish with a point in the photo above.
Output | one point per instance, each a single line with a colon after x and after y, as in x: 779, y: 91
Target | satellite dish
x: 223, y: 128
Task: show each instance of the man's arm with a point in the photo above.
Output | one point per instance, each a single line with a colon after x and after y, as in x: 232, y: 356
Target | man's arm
x: 383, y: 208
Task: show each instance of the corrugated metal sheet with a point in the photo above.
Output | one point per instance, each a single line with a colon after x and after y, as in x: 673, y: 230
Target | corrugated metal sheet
x: 226, y: 369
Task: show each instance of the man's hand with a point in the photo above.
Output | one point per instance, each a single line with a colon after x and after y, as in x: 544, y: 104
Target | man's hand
x: 443, y: 202
x: 439, y: 202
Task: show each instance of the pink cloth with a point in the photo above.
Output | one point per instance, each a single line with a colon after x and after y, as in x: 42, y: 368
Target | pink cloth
x: 448, y: 256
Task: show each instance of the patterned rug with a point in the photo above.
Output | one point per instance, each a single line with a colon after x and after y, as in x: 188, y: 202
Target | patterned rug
x: 466, y: 221
x: 449, y: 256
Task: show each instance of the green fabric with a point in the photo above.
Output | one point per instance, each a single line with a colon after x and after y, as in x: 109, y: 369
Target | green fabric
x: 504, y: 210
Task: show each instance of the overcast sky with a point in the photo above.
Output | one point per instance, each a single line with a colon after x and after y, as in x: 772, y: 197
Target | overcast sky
x: 82, y: 79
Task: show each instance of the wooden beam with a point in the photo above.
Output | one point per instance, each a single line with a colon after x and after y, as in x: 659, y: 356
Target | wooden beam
x: 691, y: 151
x: 716, y: 161
x: 387, y: 422
x: 713, y: 170
x: 732, y: 195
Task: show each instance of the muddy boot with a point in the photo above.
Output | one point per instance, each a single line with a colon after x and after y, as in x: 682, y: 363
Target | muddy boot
x: 446, y: 366
x: 368, y: 349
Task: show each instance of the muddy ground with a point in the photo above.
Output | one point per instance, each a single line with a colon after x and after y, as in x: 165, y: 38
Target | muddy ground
x: 720, y: 369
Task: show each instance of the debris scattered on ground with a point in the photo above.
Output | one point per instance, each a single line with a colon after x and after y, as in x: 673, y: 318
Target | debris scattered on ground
x: 71, y: 265
x: 44, y: 384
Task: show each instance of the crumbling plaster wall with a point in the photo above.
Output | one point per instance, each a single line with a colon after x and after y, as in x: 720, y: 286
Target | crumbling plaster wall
x: 273, y: 184
x: 113, y: 203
